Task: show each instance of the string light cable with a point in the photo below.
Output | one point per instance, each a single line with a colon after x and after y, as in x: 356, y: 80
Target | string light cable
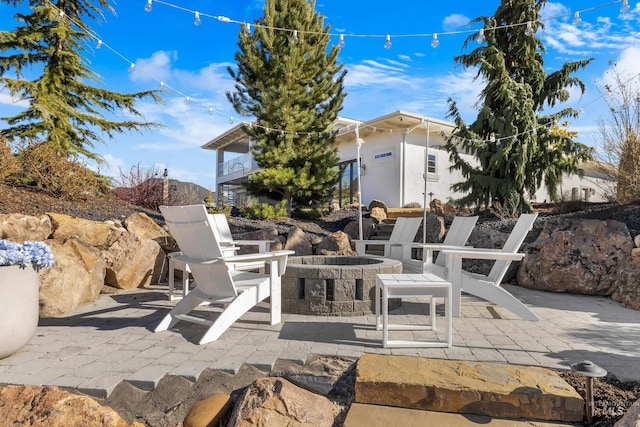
x: 297, y: 33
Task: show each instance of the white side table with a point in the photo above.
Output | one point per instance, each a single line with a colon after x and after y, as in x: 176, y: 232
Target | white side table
x: 412, y: 286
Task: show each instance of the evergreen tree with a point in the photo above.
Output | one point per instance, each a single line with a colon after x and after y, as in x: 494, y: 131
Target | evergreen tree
x: 518, y: 148
x: 288, y: 80
x: 64, y: 108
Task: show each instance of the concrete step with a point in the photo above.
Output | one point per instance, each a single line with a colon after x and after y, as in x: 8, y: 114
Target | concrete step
x: 484, y: 388
x: 361, y: 415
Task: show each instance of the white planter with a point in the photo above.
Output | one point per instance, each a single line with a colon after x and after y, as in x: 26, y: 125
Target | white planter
x: 19, y: 306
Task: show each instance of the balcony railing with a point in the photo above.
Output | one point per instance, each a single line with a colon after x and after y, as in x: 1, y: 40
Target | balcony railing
x: 241, y: 164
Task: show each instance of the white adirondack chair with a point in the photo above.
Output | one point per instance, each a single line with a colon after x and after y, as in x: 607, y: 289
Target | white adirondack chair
x: 226, y: 239
x: 456, y: 237
x: 404, y: 231
x: 217, y: 282
x: 487, y: 287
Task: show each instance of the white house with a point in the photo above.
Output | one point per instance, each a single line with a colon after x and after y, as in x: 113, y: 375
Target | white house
x: 394, y: 161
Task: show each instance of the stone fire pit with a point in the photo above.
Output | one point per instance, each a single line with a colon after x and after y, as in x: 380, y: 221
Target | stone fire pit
x: 334, y: 285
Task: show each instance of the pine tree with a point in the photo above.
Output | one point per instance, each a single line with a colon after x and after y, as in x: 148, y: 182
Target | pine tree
x: 518, y: 147
x: 291, y: 83
x: 64, y: 108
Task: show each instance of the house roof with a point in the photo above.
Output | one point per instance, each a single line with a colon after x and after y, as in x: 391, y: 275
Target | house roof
x: 234, y: 140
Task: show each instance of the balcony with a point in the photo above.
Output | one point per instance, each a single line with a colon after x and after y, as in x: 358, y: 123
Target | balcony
x: 236, y: 168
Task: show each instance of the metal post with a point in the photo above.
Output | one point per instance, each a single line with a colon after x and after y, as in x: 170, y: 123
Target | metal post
x: 358, y: 146
x: 426, y: 176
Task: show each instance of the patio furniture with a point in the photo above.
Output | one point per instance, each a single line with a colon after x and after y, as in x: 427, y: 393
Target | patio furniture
x: 488, y: 287
x: 412, y: 286
x: 456, y: 237
x: 404, y: 231
x: 229, y: 247
x: 218, y: 278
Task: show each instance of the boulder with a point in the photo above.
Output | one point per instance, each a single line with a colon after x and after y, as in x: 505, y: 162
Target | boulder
x: 435, y: 206
x: 277, y: 402
x: 626, y: 289
x: 76, y: 278
x: 636, y: 241
x: 631, y: 418
x: 132, y: 262
x: 378, y: 214
x: 435, y: 228
x: 92, y: 232
x: 270, y: 233
x: 337, y: 243
x: 146, y: 228
x: 378, y: 204
x: 353, y: 230
x: 20, y: 228
x: 577, y: 256
x: 297, y: 241
x: 39, y: 406
x: 208, y: 412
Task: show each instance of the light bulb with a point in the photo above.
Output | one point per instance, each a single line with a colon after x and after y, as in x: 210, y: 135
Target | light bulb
x: 480, y: 39
x: 529, y: 30
x: 247, y: 28
x: 341, y: 41
x: 492, y: 137
x: 625, y: 6
x: 149, y: 6
x: 161, y: 85
x: 223, y: 19
x: 131, y: 67
x: 99, y: 44
x: 187, y: 100
x: 387, y: 43
x: 576, y: 19
x: 434, y: 41
x: 294, y: 37
x: 230, y: 120
x: 196, y: 20
x: 211, y: 111
x: 60, y: 16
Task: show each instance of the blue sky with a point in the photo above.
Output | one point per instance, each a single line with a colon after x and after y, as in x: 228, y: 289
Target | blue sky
x: 166, y: 46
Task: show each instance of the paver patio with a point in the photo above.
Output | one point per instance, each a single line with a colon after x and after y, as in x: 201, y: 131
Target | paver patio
x: 110, y: 340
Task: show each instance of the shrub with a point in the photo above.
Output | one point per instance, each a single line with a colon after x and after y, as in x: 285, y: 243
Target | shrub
x: 48, y: 169
x: 265, y: 210
x: 10, y: 164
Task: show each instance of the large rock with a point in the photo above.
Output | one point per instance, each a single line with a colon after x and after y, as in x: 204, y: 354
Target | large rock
x: 297, y: 241
x: 626, y: 289
x: 337, y: 243
x: 276, y: 402
x: 353, y: 229
x: 19, y: 228
x: 146, y: 228
x: 38, y: 406
x: 484, y: 388
x: 375, y: 203
x: 435, y: 228
x: 132, y: 262
x: 208, y: 412
x: 378, y: 214
x: 76, y: 278
x: 92, y: 232
x: 269, y: 233
x: 577, y: 256
x: 631, y: 418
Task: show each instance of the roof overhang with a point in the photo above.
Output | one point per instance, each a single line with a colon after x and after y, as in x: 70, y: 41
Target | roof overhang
x: 234, y: 140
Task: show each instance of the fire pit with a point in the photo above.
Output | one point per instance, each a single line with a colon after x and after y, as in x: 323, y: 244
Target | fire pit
x: 334, y: 285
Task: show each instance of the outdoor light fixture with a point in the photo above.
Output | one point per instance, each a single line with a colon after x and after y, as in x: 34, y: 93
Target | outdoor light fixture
x: 434, y: 41
x: 590, y: 370
x: 625, y: 6
x: 197, y: 21
x: 341, y: 41
x: 529, y: 30
x: 576, y: 19
x: 149, y: 6
x: 480, y: 39
x: 387, y: 43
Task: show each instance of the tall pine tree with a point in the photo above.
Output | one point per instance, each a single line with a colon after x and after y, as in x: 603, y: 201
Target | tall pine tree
x: 64, y: 108
x: 518, y: 147
x: 289, y: 80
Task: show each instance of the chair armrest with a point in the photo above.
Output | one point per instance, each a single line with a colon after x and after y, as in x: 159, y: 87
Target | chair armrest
x: 361, y: 245
x: 263, y: 256
x: 252, y: 242
x: 477, y: 253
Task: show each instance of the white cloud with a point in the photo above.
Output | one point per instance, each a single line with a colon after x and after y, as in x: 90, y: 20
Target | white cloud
x: 454, y: 22
x: 404, y: 58
x: 7, y: 99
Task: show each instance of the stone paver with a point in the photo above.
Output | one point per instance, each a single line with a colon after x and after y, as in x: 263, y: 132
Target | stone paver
x: 111, y: 340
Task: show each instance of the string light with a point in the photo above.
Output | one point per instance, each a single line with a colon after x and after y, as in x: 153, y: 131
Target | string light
x: 247, y: 28
x: 481, y: 38
x: 387, y: 43
x: 294, y: 37
x: 131, y: 67
x: 434, y: 41
x: 341, y: 42
x: 98, y: 44
x: 576, y: 19
x: 149, y: 6
x: 529, y: 30
x: 625, y: 6
x: 196, y: 20
x: 187, y: 100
